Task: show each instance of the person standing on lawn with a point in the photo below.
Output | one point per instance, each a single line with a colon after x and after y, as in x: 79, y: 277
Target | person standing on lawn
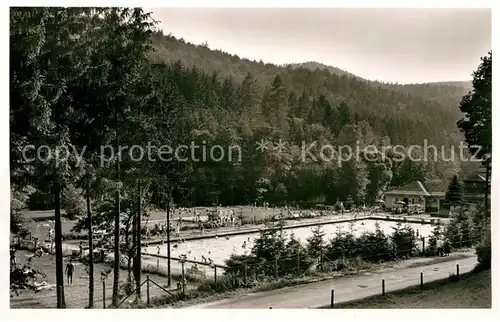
x: 69, y: 272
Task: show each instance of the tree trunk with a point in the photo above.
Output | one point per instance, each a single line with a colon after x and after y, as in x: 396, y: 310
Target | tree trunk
x: 138, y: 238
x: 134, y: 243
x: 487, y: 190
x: 91, y: 251
x: 169, y: 278
x: 128, y: 247
x: 58, y: 244
x: 116, y: 266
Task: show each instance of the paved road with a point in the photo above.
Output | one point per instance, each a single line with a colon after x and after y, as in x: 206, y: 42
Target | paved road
x: 317, y: 294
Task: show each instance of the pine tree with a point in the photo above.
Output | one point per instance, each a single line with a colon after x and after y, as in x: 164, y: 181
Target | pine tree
x: 315, y: 242
x: 453, y: 195
x: 50, y: 51
x: 344, y: 114
x: 460, y: 230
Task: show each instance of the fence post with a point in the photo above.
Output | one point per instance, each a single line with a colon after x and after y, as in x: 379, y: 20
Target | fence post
x: 147, y: 289
x: 215, y: 275
x: 276, y: 267
x: 332, y: 301
x: 321, y: 261
x: 423, y: 245
x: 458, y: 271
x: 103, y: 294
x: 183, y: 279
x: 246, y: 272
x: 383, y: 287
x: 421, y: 280
x: 157, y: 265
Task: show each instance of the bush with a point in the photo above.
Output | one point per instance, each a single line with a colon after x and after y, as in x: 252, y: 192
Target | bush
x: 437, y: 234
x: 236, y: 265
x: 403, y: 239
x: 374, y: 246
x: 23, y: 278
x: 18, y: 224
x: 224, y: 283
x: 99, y: 257
x: 483, y: 253
x: 483, y: 250
x: 460, y: 230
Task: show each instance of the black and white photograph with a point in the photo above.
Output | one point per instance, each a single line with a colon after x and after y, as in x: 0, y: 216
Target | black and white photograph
x: 250, y: 158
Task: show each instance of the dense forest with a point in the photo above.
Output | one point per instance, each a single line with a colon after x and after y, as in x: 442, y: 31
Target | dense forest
x: 213, y: 98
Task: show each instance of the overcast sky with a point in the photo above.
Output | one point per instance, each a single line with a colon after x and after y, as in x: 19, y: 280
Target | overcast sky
x: 392, y: 45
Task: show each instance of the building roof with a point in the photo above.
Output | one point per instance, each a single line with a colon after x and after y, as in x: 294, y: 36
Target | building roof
x: 438, y: 189
x: 412, y: 188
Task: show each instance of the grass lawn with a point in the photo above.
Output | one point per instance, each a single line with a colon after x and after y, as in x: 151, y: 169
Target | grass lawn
x: 38, y: 226
x: 471, y: 291
x: 77, y: 294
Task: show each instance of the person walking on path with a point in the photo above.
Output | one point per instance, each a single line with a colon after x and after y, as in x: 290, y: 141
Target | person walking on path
x: 69, y: 272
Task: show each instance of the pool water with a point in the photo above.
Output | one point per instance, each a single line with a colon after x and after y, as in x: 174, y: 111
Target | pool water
x: 220, y: 248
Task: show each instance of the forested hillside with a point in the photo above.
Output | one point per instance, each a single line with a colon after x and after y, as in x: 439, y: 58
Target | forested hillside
x: 447, y: 94
x: 406, y: 113
x: 194, y: 94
